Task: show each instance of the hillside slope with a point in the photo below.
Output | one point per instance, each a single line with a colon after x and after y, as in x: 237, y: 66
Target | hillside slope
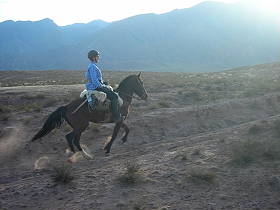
x: 210, y: 36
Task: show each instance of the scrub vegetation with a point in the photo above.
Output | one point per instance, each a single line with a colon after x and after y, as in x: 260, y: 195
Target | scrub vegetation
x: 200, y: 141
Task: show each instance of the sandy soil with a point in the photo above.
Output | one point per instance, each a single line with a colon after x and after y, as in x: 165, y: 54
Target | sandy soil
x: 182, y: 155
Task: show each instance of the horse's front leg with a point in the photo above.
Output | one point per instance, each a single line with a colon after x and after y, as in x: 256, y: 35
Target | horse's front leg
x: 115, y: 133
x: 124, y: 138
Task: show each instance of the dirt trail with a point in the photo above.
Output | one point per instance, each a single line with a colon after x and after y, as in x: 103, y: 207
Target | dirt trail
x: 166, y: 143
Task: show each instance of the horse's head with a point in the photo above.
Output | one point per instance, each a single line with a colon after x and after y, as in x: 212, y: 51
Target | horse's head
x: 139, y: 87
x: 134, y: 84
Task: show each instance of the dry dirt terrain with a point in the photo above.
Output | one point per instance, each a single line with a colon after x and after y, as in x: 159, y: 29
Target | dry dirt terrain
x: 201, y: 141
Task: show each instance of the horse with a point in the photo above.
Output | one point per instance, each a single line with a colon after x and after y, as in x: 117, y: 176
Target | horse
x: 78, y: 115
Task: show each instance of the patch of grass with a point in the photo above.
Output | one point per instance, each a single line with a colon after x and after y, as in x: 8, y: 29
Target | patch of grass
x: 196, y: 151
x: 277, y: 127
x: 251, y: 151
x: 31, y: 107
x: 201, y: 176
x: 192, y: 95
x: 4, y: 117
x: 32, y: 97
x: 138, y: 206
x: 163, y: 104
x: 246, y: 152
x: 184, y: 157
x: 5, y: 109
x: 132, y: 174
x: 62, y: 173
x: 272, y: 150
x: 27, y: 120
x: 153, y: 106
x: 255, y: 129
x: 49, y: 102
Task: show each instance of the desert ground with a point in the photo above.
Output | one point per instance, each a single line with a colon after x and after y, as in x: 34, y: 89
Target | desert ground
x: 204, y: 141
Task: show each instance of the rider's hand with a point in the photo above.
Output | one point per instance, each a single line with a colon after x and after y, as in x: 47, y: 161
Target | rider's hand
x: 108, y: 87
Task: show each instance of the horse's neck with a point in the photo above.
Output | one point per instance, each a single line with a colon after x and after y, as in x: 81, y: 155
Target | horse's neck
x: 125, y: 94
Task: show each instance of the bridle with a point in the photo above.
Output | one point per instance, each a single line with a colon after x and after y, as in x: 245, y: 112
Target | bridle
x: 132, y: 96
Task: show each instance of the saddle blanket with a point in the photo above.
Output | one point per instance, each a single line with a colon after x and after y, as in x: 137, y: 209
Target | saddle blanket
x: 99, y: 96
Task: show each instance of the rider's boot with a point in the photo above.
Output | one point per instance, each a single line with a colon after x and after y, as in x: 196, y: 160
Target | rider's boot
x: 91, y: 100
x: 116, y: 111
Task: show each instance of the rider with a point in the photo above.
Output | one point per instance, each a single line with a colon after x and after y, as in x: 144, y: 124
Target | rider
x: 95, y: 82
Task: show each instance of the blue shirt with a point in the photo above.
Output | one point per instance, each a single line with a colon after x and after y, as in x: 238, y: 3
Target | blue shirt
x: 94, y: 77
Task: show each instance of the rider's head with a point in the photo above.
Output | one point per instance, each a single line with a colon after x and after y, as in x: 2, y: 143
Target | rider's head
x: 93, y: 55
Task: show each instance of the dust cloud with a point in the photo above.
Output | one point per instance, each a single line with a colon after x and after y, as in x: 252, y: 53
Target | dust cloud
x: 11, y: 140
x: 42, y: 163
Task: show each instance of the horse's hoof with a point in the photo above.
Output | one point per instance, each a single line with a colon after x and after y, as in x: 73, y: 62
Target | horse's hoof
x: 86, y: 151
x: 87, y: 156
x: 124, y: 140
x: 106, y: 147
x: 107, y: 151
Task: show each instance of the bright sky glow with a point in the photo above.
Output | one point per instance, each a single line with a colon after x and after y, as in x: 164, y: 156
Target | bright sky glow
x: 269, y: 6
x: 65, y: 12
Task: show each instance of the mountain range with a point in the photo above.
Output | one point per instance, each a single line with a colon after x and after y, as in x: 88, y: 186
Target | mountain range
x: 210, y: 36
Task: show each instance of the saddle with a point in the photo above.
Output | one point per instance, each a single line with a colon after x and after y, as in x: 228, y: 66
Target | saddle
x: 103, y: 103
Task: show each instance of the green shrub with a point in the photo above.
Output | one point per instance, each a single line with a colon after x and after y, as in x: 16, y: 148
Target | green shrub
x: 163, y: 104
x: 5, y: 109
x: 31, y: 107
x: 246, y: 152
x: 200, y: 176
x: 50, y: 102
x: 255, y: 129
x: 132, y: 174
x: 277, y: 128
x: 62, y: 173
x: 32, y: 97
x: 251, y: 151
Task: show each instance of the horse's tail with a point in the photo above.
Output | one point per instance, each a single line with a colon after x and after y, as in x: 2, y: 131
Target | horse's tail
x: 54, y: 120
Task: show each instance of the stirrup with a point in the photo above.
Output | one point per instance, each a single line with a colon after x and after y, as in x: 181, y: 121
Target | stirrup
x: 91, y: 107
x: 121, y: 118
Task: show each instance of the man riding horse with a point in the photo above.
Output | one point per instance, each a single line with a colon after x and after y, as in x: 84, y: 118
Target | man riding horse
x: 95, y: 82
x: 78, y: 115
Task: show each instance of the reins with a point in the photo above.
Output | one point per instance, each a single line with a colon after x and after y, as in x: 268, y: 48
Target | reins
x: 130, y: 96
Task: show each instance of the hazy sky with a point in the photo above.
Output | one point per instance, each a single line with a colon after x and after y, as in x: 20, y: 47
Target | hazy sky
x: 65, y: 12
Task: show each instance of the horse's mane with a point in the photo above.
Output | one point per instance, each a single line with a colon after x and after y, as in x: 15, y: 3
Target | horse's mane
x: 124, y: 82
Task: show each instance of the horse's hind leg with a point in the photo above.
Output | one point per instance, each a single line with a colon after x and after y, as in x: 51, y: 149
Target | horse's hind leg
x: 77, y: 134
x: 124, y: 138
x: 115, y: 133
x: 77, y: 141
x: 70, y: 138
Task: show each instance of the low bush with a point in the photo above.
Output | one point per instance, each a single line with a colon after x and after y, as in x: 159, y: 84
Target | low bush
x: 62, y: 173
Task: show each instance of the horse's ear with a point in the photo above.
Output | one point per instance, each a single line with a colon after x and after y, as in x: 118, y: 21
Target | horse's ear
x: 139, y: 74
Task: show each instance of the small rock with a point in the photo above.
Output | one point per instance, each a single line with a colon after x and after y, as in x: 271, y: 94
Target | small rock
x: 225, y: 197
x: 164, y: 208
x: 211, y: 206
x: 120, y: 205
x: 34, y: 194
x: 274, y: 183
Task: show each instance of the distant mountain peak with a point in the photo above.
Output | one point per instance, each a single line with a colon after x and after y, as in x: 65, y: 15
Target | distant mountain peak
x: 46, y: 21
x: 206, y: 37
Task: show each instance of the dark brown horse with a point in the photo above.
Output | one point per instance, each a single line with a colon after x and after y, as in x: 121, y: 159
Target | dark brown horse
x: 79, y: 118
